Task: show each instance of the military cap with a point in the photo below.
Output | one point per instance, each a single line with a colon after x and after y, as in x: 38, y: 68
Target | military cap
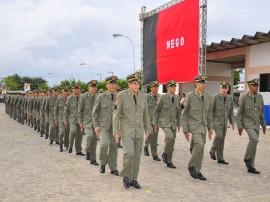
x: 154, y: 83
x: 100, y: 90
x: 111, y: 79
x: 76, y: 86
x: 65, y: 89
x: 253, y: 82
x: 55, y: 88
x: 133, y: 77
x: 170, y: 83
x: 93, y: 83
x: 224, y: 84
x: 201, y: 78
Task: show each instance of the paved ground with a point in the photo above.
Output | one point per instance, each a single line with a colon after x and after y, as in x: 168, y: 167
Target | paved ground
x: 33, y: 170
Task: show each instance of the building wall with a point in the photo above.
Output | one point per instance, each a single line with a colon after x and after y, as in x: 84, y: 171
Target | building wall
x: 258, y: 62
x: 216, y: 72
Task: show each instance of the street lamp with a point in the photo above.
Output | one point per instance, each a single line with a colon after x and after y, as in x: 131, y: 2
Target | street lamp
x: 50, y: 74
x: 88, y: 66
x: 119, y: 35
x: 111, y: 73
x: 100, y: 77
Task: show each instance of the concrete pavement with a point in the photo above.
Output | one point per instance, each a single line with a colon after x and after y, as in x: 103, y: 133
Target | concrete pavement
x: 33, y: 170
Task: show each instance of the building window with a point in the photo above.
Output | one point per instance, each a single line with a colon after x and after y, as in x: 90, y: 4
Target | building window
x: 264, y: 82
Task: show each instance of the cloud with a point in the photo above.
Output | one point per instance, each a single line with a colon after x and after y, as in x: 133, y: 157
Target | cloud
x: 54, y: 36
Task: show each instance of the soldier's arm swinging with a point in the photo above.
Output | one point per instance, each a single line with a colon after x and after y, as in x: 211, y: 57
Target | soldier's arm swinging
x: 240, y: 116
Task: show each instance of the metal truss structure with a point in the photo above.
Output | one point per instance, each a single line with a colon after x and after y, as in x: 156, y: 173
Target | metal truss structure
x: 202, y: 36
x: 202, y: 30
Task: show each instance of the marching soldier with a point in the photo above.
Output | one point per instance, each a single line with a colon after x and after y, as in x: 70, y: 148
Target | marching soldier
x: 152, y: 100
x: 131, y: 120
x: 222, y: 110
x: 71, y: 120
x: 59, y: 118
x: 102, y: 122
x: 167, y: 116
x: 250, y: 116
x: 49, y: 115
x: 37, y: 111
x: 29, y: 109
x: 34, y: 98
x: 47, y: 122
x: 41, y: 113
x: 196, y: 116
x: 86, y: 106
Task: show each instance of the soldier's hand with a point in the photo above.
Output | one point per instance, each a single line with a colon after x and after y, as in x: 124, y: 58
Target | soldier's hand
x: 233, y: 126
x: 146, y: 136
x: 155, y: 128
x: 81, y: 126
x: 66, y: 126
x: 210, y: 133
x: 264, y: 129
x: 56, y: 122
x: 240, y: 130
x: 97, y: 131
x: 117, y: 137
x: 187, y: 136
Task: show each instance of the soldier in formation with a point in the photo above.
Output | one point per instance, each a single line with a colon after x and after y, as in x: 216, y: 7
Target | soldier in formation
x: 250, y: 117
x: 130, y: 114
x: 102, y: 122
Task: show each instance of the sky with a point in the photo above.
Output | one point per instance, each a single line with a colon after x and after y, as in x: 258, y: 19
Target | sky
x: 51, y: 38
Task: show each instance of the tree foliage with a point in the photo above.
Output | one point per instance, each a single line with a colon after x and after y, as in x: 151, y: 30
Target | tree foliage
x: 237, y: 73
x: 16, y: 82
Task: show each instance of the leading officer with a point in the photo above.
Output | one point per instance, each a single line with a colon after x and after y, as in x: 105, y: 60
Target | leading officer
x: 130, y: 121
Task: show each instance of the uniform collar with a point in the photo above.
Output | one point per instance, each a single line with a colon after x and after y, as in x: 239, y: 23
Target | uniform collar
x: 128, y: 92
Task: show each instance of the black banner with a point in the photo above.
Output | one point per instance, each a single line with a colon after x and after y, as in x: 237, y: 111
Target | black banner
x: 149, y: 49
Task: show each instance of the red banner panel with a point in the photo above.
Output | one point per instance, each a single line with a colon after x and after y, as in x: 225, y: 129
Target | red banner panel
x: 177, y: 41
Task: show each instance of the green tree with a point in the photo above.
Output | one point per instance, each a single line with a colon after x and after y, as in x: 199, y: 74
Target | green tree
x: 122, y: 83
x: 11, y: 83
x: 102, y: 85
x: 237, y: 73
x: 36, y: 82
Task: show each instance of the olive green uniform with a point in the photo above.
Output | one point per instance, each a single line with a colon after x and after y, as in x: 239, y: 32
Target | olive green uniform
x: 59, y: 116
x: 102, y: 118
x: 152, y: 101
x: 130, y: 121
x: 49, y: 113
x: 250, y: 116
x: 71, y: 118
x: 42, y: 115
x: 222, y: 110
x: 85, y: 111
x: 167, y: 116
x: 196, y: 116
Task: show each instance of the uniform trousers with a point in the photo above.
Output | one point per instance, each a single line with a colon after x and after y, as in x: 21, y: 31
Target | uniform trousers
x: 75, y: 134
x: 196, y: 159
x: 108, y: 143
x: 218, y: 143
x: 253, y: 135
x: 170, y: 136
x: 152, y: 141
x: 91, y: 143
x: 132, y: 155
